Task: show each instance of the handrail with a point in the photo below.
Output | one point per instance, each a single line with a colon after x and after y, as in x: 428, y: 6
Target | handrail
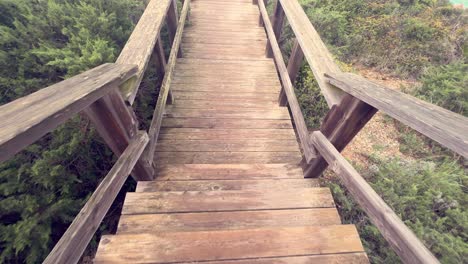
x: 298, y: 117
x: 166, y: 83
x: 446, y: 127
x: 401, y: 238
x: 27, y: 119
x: 75, y: 240
x: 142, y: 41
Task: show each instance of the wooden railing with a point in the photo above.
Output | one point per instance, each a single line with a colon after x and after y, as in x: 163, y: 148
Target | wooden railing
x: 353, y: 101
x: 105, y: 95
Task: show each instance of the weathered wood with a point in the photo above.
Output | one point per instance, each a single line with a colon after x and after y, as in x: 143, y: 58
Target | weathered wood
x: 294, y: 65
x: 227, y: 145
x: 164, y: 90
x: 226, y: 96
x: 233, y: 157
x: 75, y: 240
x: 27, y: 119
x: 160, y: 62
x: 225, y: 185
x: 221, y: 123
x: 228, y: 244
x: 227, y: 171
x: 277, y: 25
x: 171, y: 20
x: 447, y: 128
x: 141, y: 44
x: 216, y: 201
x: 400, y: 237
x: 225, y: 134
x: 315, y: 51
x: 280, y: 113
x: 350, y: 258
x: 342, y: 123
x: 296, y: 111
x: 117, y: 125
x: 176, y: 222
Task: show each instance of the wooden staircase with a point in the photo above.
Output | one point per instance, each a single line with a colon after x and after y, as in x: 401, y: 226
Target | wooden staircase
x: 228, y: 185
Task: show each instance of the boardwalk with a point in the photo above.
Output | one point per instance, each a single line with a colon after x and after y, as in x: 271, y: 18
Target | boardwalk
x: 228, y: 186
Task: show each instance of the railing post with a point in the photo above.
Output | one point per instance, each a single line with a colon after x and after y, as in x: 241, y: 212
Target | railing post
x: 277, y: 24
x: 340, y: 126
x: 160, y: 62
x: 172, y: 19
x: 294, y: 64
x: 117, y: 125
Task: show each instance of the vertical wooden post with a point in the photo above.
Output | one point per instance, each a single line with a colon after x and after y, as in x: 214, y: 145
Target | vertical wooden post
x: 260, y: 20
x: 277, y: 24
x: 117, y: 125
x: 294, y: 64
x: 160, y: 62
x: 172, y: 20
x: 340, y: 126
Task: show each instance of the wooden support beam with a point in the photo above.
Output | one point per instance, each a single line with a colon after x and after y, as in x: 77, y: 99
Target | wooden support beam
x: 446, y: 127
x: 277, y: 24
x: 27, y: 119
x: 165, y: 87
x: 340, y: 126
x: 171, y: 21
x: 117, y: 125
x: 294, y: 65
x: 301, y: 126
x: 399, y: 236
x: 75, y: 240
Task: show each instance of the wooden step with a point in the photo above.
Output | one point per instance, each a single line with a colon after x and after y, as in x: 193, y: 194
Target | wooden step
x: 349, y: 258
x: 213, y: 104
x: 178, y: 222
x: 235, y: 112
x: 243, y: 145
x: 168, y: 247
x: 233, y: 157
x: 223, y: 123
x: 216, y: 201
x: 227, y: 171
x: 225, y: 185
x: 225, y: 134
x: 227, y: 96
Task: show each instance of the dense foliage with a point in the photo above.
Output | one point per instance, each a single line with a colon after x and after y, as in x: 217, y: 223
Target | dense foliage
x: 43, y: 187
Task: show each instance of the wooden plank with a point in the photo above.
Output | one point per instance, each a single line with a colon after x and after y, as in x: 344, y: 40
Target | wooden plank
x: 225, y: 134
x: 277, y: 25
x: 315, y: 51
x: 342, y: 123
x: 264, y: 145
x: 255, y: 86
x: 151, y: 223
x: 445, y: 127
x: 27, y: 119
x: 141, y: 44
x: 226, y: 157
x: 281, y: 113
x: 219, y: 201
x: 225, y: 185
x: 225, y: 96
x: 228, y: 245
x: 350, y: 258
x: 223, y: 56
x: 211, y: 104
x: 400, y: 237
x: 221, y: 63
x: 301, y: 126
x: 75, y: 240
x: 223, y: 40
x: 166, y: 83
x: 225, y: 123
x: 227, y: 171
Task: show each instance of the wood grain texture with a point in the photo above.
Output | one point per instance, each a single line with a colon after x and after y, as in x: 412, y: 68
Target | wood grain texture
x: 235, y: 112
x: 227, y: 171
x: 244, y: 145
x: 75, y: 240
x: 400, y: 237
x: 294, y: 65
x: 348, y: 258
x: 228, y: 245
x: 225, y: 134
x: 227, y: 185
x: 27, y: 119
x: 301, y: 126
x: 225, y: 123
x: 156, y: 121
x: 233, y: 157
x: 447, y: 128
x: 141, y: 43
x: 177, y: 222
x: 315, y: 51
